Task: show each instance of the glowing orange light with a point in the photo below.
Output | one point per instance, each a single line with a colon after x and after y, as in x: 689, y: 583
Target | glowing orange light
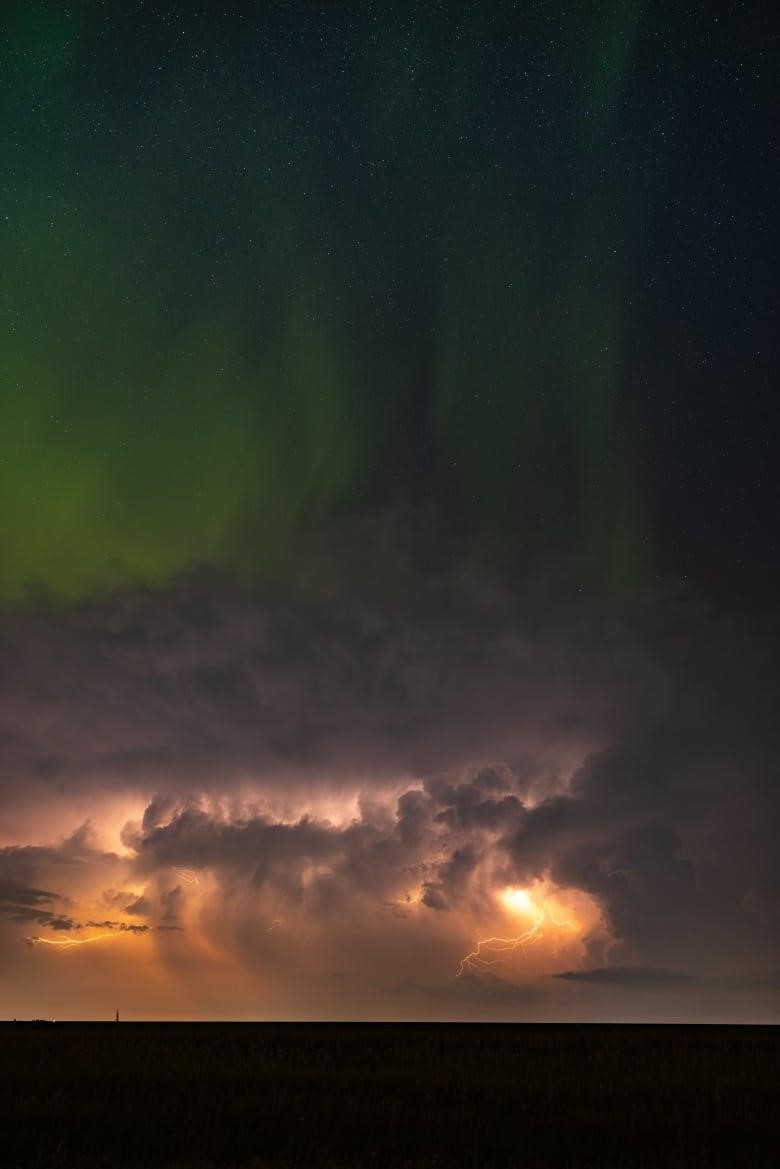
x: 67, y: 943
x: 491, y: 951
x: 519, y: 899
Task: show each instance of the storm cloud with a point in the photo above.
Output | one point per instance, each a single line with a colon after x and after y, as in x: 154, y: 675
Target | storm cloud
x: 369, y: 775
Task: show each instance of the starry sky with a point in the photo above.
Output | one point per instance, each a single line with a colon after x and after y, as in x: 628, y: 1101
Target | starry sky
x: 388, y: 548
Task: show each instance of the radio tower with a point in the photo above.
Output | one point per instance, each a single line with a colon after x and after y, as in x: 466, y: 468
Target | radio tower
x: 116, y: 1017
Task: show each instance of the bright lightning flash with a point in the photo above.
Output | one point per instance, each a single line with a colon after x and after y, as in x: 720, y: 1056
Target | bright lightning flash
x: 491, y: 951
x: 69, y: 943
x: 518, y: 899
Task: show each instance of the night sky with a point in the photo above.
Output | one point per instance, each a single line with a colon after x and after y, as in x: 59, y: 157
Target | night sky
x: 388, y: 488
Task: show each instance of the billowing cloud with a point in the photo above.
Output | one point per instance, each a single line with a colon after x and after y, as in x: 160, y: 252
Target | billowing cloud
x: 206, y: 685
x: 23, y: 903
x: 299, y: 792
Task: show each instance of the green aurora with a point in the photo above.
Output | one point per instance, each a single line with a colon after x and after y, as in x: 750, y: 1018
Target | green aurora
x: 259, y: 281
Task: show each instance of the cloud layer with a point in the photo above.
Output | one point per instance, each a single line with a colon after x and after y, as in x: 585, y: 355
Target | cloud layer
x: 335, y: 793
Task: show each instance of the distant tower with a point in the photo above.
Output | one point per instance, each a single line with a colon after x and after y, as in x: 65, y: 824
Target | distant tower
x: 116, y: 1017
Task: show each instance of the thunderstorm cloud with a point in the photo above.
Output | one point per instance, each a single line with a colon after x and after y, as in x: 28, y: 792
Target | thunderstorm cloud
x: 347, y: 787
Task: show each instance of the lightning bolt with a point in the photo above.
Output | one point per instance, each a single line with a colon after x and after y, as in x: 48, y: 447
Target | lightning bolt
x: 491, y: 951
x: 68, y: 943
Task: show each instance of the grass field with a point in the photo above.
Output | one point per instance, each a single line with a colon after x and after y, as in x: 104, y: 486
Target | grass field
x: 198, y: 1096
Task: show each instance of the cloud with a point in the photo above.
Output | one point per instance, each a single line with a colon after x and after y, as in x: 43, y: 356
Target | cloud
x: 633, y: 976
x: 205, y: 686
x: 371, y: 773
x: 25, y: 903
x: 121, y: 926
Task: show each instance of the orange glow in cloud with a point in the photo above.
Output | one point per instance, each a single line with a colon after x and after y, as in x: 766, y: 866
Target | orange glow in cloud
x: 541, y: 914
x: 69, y: 943
x: 518, y: 899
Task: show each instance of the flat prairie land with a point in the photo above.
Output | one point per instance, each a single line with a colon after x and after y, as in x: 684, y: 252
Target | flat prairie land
x: 401, y: 1096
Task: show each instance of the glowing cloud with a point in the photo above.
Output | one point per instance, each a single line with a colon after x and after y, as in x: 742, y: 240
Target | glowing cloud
x: 541, y: 912
x: 69, y: 943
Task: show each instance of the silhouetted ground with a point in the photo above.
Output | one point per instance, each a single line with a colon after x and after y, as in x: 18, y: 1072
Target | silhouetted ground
x: 201, y: 1096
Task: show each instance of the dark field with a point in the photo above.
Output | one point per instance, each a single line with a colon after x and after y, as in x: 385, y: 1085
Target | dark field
x: 308, y: 1095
